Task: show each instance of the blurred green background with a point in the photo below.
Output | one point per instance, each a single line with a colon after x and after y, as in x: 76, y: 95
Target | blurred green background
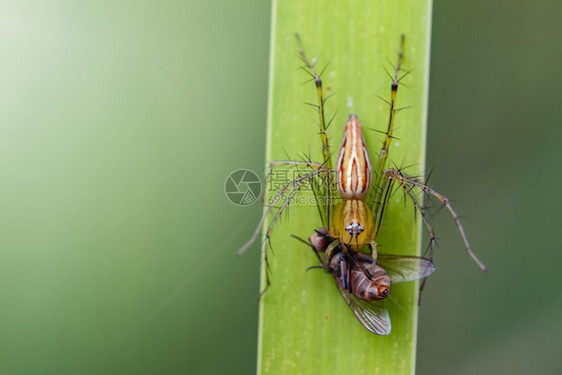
x: 117, y: 239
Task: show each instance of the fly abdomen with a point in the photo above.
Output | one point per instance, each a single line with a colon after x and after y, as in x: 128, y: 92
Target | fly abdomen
x: 375, y: 288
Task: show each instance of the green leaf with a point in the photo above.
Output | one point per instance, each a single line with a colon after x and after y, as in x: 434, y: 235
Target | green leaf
x: 305, y: 325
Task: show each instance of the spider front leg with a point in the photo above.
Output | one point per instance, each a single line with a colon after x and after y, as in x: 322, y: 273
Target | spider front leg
x: 321, y: 101
x: 379, y: 178
x: 412, y: 182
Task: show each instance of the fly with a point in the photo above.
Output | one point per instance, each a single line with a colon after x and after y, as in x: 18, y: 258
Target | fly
x: 363, y: 282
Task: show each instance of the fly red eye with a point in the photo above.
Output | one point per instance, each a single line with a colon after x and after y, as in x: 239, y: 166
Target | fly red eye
x: 383, y: 291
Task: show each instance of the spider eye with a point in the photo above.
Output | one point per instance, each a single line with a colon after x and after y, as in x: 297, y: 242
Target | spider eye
x: 354, y: 229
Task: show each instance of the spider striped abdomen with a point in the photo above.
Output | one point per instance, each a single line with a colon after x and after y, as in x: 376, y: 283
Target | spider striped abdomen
x: 353, y: 169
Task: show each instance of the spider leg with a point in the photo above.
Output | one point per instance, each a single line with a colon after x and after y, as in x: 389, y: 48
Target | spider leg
x: 378, y: 176
x: 310, y: 164
x: 267, y: 270
x: 380, y: 206
x: 404, y: 180
x: 321, y: 101
x: 284, y: 205
x: 293, y: 186
x: 430, y: 231
x: 322, y: 185
x: 425, y: 219
x: 285, y: 195
x: 326, y: 206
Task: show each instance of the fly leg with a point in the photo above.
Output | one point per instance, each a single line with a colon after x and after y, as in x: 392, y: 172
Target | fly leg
x: 344, y: 271
x: 355, y: 259
x: 364, y: 258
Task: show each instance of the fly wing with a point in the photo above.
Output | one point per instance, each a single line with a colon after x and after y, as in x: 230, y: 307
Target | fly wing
x: 373, y: 316
x: 405, y: 268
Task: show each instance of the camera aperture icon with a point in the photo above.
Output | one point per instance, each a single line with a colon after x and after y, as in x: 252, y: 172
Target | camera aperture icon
x: 242, y: 187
